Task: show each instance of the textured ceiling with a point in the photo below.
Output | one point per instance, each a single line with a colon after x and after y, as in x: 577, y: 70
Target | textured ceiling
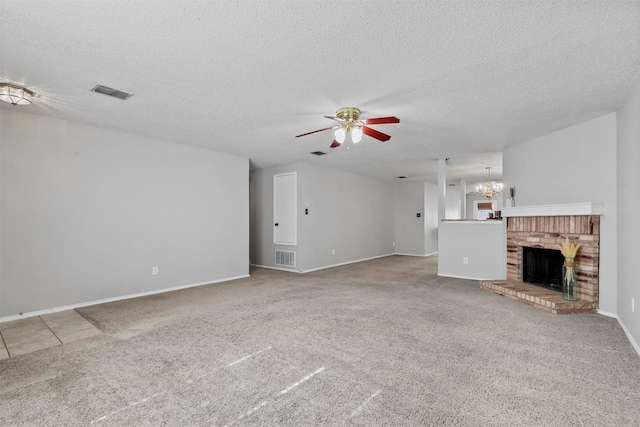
x: 466, y: 79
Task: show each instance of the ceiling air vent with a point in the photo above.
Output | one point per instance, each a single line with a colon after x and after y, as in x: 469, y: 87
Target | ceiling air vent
x: 112, y: 92
x: 318, y: 153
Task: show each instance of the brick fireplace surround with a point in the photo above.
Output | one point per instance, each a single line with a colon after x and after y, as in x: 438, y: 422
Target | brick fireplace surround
x: 548, y: 232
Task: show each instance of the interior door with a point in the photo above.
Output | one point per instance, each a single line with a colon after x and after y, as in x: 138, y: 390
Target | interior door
x: 285, y: 199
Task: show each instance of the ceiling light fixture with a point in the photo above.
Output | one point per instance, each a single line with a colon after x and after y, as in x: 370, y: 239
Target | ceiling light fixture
x: 489, y: 190
x: 15, y: 95
x: 350, y: 129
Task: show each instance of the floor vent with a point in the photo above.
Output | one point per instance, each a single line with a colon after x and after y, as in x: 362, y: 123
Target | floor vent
x: 286, y: 258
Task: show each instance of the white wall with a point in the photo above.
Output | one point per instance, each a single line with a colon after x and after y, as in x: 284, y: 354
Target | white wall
x: 576, y: 164
x: 483, y: 243
x: 349, y: 213
x: 628, y: 161
x: 87, y: 213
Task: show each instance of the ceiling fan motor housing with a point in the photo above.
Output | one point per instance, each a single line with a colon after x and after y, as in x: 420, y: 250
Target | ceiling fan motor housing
x: 351, y: 114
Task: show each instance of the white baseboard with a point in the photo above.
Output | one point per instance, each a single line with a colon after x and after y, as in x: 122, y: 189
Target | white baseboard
x: 320, y: 268
x: 425, y: 256
x: 106, y: 300
x: 624, y: 328
x: 606, y: 313
x: 288, y: 270
x: 346, y: 263
x: 466, y: 278
x: 337, y: 265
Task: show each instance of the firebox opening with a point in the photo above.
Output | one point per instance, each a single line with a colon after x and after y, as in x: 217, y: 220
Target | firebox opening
x: 542, y: 267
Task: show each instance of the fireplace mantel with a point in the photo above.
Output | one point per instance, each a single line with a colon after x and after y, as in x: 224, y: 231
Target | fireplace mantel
x: 588, y: 208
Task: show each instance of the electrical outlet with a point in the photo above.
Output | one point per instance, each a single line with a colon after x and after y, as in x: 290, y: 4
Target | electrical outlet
x: 154, y: 270
x: 465, y: 260
x: 394, y: 244
x: 633, y: 305
x: 333, y: 251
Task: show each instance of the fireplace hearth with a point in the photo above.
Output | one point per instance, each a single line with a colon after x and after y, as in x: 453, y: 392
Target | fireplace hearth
x: 542, y: 235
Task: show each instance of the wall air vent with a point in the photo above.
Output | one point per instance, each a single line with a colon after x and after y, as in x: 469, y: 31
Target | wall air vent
x: 112, y: 92
x: 286, y: 258
x: 318, y: 153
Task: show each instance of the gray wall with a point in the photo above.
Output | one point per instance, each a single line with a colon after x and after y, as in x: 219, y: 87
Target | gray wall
x: 261, y: 247
x: 410, y: 230
x: 431, y: 219
x: 452, y: 202
x: 413, y: 235
x: 260, y: 201
x: 349, y: 213
x: 572, y: 165
x: 628, y: 161
x: 87, y: 213
x: 483, y: 243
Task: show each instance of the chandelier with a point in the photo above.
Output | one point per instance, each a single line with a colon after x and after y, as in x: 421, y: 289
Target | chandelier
x: 489, y: 190
x: 15, y: 95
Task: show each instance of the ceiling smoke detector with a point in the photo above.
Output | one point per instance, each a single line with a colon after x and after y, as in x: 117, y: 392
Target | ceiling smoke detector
x: 105, y: 90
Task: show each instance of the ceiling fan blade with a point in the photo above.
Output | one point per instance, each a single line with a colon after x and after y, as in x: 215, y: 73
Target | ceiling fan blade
x: 381, y: 120
x: 315, y: 131
x: 375, y: 134
x: 337, y: 119
x: 335, y: 144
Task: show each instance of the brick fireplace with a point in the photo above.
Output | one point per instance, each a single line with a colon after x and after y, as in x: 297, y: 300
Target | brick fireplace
x: 548, y: 232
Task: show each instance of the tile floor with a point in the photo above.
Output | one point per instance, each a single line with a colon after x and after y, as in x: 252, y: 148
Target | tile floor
x: 35, y: 333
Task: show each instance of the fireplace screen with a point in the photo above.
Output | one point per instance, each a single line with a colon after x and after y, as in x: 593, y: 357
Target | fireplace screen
x: 542, y: 267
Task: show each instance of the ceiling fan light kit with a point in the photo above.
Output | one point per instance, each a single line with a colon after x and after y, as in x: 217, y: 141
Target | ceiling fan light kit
x: 351, y: 128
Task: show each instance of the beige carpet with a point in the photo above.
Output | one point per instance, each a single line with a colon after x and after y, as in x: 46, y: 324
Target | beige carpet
x: 383, y: 342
